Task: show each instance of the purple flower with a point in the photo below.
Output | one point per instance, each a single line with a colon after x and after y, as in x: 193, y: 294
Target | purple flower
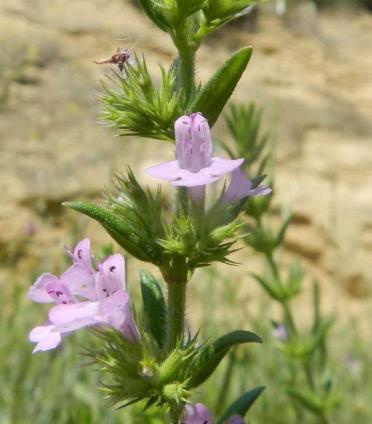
x: 110, y: 306
x: 353, y: 365
x: 195, y: 165
x: 280, y: 332
x: 80, y: 276
x: 199, y: 414
x: 81, y: 254
x: 241, y: 187
x: 196, y: 414
x: 45, y: 337
x: 83, y: 297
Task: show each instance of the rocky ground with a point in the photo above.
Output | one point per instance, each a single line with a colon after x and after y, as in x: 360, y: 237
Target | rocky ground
x: 311, y: 72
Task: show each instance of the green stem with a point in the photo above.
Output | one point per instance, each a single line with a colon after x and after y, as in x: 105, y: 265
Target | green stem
x: 187, y: 71
x: 288, y: 317
x: 182, y: 201
x: 175, y: 313
x: 286, y: 308
x: 175, y: 413
x: 197, y: 205
x: 186, y: 58
x: 273, y: 266
x: 309, y: 376
x: 323, y: 419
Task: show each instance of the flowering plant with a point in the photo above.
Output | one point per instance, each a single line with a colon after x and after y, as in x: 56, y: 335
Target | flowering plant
x: 149, y: 355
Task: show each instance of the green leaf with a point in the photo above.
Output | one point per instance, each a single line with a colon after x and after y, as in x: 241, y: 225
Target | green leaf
x: 120, y: 231
x: 210, y: 357
x: 212, y: 98
x: 153, y: 306
x: 242, y: 404
x: 225, y: 9
x: 188, y: 7
x: 268, y: 286
x: 154, y: 13
x: 307, y: 400
x: 282, y: 231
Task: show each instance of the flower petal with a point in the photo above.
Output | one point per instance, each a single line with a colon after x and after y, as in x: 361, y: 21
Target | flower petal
x: 80, y: 281
x: 221, y: 166
x: 196, y: 414
x: 111, y: 276
x: 45, y: 338
x: 168, y: 171
x: 81, y: 254
x: 59, y: 292
x: 115, y: 311
x: 208, y: 175
x: 261, y: 191
x: 194, y: 179
x: 241, y: 187
x: 38, y: 291
x: 62, y: 314
x: 76, y: 324
x: 193, y: 142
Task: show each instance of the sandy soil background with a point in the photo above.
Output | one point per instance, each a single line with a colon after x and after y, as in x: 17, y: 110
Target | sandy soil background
x: 311, y: 73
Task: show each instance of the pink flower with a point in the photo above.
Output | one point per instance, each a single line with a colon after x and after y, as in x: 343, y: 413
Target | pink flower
x: 241, y: 187
x: 199, y: 414
x: 196, y: 414
x: 195, y: 165
x: 83, y: 297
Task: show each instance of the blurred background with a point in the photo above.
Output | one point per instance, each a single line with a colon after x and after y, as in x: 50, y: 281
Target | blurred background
x: 310, y: 71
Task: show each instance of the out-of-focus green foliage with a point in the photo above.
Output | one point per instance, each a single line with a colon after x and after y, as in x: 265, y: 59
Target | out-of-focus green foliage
x: 52, y: 387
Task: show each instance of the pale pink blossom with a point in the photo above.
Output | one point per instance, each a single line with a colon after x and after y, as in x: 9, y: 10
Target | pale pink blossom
x: 83, y: 296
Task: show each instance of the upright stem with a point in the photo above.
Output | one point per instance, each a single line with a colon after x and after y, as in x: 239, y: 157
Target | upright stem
x: 286, y: 308
x: 175, y: 313
x: 273, y: 266
x: 175, y: 413
x: 187, y: 71
x: 186, y: 58
x: 288, y: 317
x: 182, y: 201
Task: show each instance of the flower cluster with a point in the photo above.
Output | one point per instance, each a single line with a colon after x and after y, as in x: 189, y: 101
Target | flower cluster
x: 83, y: 296
x: 195, y: 167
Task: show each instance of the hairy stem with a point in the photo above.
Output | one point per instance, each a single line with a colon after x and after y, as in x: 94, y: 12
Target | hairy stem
x: 186, y: 58
x: 175, y: 413
x: 175, y: 313
x: 187, y: 71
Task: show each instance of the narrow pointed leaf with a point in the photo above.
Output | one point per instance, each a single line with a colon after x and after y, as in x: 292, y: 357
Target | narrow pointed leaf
x: 268, y: 287
x: 242, y: 404
x: 153, y: 306
x: 120, y: 231
x: 209, y: 359
x: 308, y: 401
x: 214, y: 95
